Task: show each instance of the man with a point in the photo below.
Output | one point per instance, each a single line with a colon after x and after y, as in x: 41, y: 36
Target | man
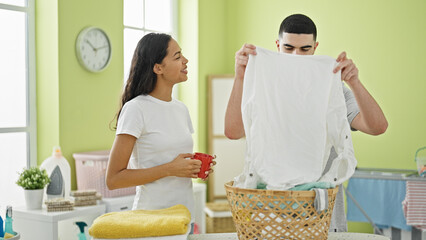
x: 297, y: 35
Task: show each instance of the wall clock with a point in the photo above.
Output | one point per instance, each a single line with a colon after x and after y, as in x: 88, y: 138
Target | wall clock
x: 93, y: 49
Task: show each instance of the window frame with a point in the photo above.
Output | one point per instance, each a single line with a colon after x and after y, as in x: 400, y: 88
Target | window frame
x: 31, y: 122
x: 173, y: 32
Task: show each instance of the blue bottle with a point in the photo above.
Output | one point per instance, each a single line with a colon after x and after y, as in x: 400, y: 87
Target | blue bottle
x: 1, y: 227
x: 8, y: 224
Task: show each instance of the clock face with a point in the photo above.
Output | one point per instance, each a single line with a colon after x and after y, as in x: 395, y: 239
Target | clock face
x: 93, y: 49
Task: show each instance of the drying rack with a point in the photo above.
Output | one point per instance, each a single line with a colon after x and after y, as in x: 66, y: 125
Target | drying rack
x: 384, y: 174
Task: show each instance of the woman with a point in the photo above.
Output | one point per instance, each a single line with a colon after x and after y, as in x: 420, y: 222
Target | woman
x: 154, y: 130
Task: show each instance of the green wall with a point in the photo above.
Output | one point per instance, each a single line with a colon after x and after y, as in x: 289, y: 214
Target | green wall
x: 212, y: 54
x: 202, y: 32
x: 75, y: 106
x: 383, y: 37
x: 188, y: 41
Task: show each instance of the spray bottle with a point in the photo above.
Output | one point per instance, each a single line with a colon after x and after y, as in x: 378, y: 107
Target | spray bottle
x: 81, y: 235
x: 59, y: 171
x: 8, y: 224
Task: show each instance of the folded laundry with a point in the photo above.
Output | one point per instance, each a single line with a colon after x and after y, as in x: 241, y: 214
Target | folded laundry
x: 321, y: 193
x: 59, y: 205
x: 172, y: 237
x: 142, y: 223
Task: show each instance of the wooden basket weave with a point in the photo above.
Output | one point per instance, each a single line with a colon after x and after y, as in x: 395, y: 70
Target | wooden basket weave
x: 270, y: 214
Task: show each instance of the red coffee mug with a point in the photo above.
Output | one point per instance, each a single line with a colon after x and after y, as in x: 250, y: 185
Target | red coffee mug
x: 206, y: 160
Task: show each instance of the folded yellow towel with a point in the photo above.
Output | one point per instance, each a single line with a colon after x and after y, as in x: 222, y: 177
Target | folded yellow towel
x: 142, y: 223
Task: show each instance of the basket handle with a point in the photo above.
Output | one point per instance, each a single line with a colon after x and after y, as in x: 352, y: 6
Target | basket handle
x: 418, y: 150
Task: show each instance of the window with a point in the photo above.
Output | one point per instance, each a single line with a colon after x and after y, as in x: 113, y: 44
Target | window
x: 141, y: 17
x: 17, y: 96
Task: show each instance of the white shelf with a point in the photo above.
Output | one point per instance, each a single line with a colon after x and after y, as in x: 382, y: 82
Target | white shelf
x: 123, y: 203
x: 45, y: 216
x: 118, y: 200
x: 41, y: 224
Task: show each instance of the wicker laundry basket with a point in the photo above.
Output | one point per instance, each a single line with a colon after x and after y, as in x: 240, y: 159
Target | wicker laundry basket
x: 270, y: 214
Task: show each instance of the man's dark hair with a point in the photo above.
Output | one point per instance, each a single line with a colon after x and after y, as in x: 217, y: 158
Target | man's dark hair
x: 298, y: 23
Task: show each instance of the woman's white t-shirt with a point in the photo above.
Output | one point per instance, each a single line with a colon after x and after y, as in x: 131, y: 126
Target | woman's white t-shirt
x: 163, y: 131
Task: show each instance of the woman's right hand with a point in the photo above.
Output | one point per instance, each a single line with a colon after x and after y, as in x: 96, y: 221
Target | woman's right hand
x: 184, y: 166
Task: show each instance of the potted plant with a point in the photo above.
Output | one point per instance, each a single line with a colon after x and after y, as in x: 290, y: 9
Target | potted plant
x: 33, y: 181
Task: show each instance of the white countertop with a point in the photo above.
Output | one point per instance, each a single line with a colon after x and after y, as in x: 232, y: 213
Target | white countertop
x: 331, y: 236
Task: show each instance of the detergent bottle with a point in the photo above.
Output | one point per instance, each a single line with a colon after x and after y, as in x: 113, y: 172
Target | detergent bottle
x: 81, y: 235
x: 8, y: 228
x: 59, y: 171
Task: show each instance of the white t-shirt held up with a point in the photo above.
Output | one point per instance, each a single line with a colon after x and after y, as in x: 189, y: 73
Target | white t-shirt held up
x: 294, y: 112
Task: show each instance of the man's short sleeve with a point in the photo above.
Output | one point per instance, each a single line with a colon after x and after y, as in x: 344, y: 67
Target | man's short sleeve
x: 351, y: 105
x: 130, y: 120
